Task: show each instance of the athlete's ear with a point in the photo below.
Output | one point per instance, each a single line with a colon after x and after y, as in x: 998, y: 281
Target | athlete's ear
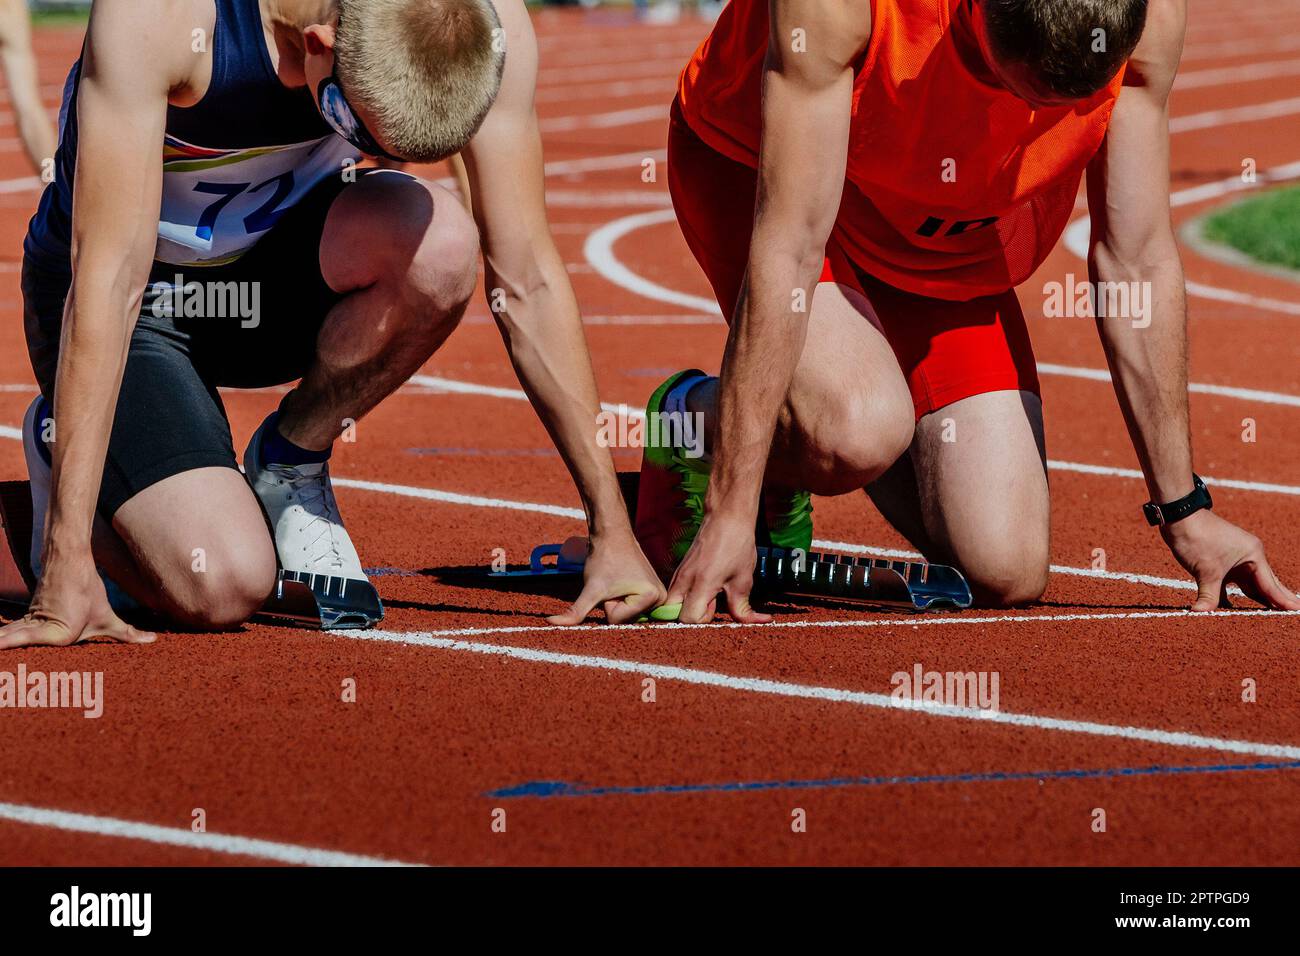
x: 318, y: 39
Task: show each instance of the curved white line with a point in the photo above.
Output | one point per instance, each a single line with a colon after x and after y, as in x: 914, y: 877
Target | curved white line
x: 599, y: 251
x: 1076, y: 240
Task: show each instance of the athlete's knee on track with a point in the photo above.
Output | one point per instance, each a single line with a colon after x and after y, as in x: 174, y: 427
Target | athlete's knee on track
x: 1008, y: 574
x: 223, y: 585
x: 852, y: 449
x: 433, y: 248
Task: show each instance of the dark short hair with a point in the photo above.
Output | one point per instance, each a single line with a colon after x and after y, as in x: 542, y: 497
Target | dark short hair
x: 1075, y: 46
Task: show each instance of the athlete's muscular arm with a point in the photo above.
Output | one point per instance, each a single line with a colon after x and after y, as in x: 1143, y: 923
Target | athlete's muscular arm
x: 135, y: 54
x: 1133, y: 242
x: 807, y: 93
x: 532, y: 300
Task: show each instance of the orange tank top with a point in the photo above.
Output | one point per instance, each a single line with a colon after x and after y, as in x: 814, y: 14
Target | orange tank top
x: 955, y: 187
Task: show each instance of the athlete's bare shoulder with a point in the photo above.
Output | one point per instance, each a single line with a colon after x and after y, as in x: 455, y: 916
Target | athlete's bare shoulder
x: 836, y: 31
x: 1154, y: 62
x: 163, y: 41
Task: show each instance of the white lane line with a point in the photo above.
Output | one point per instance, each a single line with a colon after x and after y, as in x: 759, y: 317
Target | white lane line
x: 454, y: 498
x: 1253, y: 113
x: 1196, y: 388
x: 628, y: 117
x: 1214, y: 50
x: 1112, y: 472
x: 651, y: 319
x: 1245, y: 73
x: 20, y: 185
x: 633, y: 68
x: 607, y: 91
x: 760, y: 685
x: 1130, y: 577
x: 184, y: 837
x: 597, y: 198
x: 932, y: 619
x: 1078, y: 235
x: 513, y: 394
x: 632, y: 412
x: 594, y: 164
x: 1233, y: 184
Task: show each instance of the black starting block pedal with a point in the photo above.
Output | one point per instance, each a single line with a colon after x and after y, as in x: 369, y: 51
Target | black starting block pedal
x: 17, y: 583
x: 906, y: 585
x: 324, y: 601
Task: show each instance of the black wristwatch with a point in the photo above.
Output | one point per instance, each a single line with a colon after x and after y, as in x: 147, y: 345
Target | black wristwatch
x: 1198, y: 500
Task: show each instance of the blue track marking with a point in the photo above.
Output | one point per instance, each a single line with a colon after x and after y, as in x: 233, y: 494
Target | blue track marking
x: 558, y: 788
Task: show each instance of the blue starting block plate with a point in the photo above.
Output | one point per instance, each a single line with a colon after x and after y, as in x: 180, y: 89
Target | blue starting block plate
x: 551, y: 560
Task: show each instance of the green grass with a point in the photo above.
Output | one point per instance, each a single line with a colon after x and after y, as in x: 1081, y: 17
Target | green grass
x: 60, y: 18
x: 1266, y: 228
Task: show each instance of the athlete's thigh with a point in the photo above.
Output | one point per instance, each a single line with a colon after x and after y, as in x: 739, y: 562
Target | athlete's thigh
x: 847, y: 373
x: 981, y: 474
x: 171, y: 487
x: 197, y: 531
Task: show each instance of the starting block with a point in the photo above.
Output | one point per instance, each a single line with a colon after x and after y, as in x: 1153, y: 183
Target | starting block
x: 324, y: 601
x: 570, y: 558
x: 907, y: 585
x: 312, y: 600
x: 878, y: 582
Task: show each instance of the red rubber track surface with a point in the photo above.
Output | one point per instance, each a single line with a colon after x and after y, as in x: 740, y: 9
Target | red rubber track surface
x: 250, y: 726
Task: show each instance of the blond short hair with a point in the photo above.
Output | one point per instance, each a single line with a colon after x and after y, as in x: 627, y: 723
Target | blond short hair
x: 427, y: 71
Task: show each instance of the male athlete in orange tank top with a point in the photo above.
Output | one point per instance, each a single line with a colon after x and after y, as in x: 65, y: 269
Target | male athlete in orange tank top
x: 864, y: 183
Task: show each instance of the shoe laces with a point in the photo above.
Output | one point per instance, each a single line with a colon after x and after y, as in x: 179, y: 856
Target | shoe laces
x: 312, y: 493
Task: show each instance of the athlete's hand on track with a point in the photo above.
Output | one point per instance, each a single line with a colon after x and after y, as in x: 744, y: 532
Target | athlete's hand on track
x: 1217, y: 553
x: 617, y: 576
x: 720, y: 561
x: 69, y: 607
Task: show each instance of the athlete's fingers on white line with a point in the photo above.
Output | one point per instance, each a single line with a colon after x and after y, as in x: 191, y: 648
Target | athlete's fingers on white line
x: 578, y: 611
x: 1210, y: 594
x: 698, y: 606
